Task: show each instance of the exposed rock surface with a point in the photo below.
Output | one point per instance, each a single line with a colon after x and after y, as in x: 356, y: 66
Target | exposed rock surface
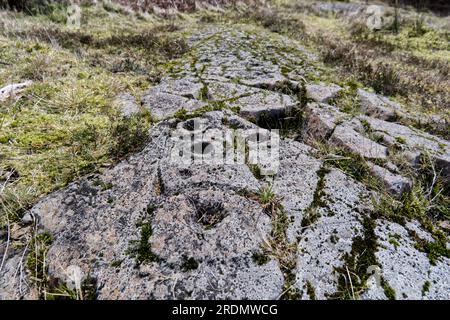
x: 13, y: 90
x: 183, y: 220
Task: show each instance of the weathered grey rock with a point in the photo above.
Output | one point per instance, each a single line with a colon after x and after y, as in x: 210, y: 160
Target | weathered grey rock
x: 321, y: 92
x: 296, y: 181
x: 11, y: 91
x: 198, y: 215
x: 326, y: 123
x: 224, y: 252
x: 127, y: 104
x: 406, y: 269
x: 268, y: 81
x: 228, y: 90
x: 321, y: 121
x: 395, y: 183
x: 162, y: 226
x: 188, y: 87
x: 378, y: 106
x: 164, y: 105
x: 266, y: 103
x: 346, y: 137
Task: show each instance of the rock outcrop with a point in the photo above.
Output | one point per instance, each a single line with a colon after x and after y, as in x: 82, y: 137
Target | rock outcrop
x: 196, y: 215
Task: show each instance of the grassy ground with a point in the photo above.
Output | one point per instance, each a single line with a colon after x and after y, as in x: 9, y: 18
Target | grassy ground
x: 67, y: 123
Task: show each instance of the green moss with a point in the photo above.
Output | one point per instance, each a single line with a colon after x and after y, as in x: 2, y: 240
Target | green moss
x: 394, y: 243
x: 388, y: 290
x: 334, y: 239
x: 352, y: 164
x: 435, y: 250
x: 204, y: 92
x: 130, y: 135
x: 141, y: 250
x: 256, y: 170
x: 181, y: 115
x: 116, y: 263
x: 260, y: 258
x: 310, y: 291
x: 360, y: 258
x: 189, y: 264
x: 347, y: 101
x: 150, y: 209
x: 319, y: 193
x: 400, y: 140
x: 236, y: 109
x: 39, y: 246
x: 103, y: 185
x: 311, y: 214
x: 279, y: 248
x: 426, y: 288
x: 417, y: 204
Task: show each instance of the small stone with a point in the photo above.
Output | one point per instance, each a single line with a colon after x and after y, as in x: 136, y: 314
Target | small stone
x: 445, y: 224
x: 27, y: 219
x: 164, y: 105
x: 268, y: 81
x: 13, y: 90
x: 396, y: 184
x: 228, y: 90
x: 378, y: 106
x: 186, y: 87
